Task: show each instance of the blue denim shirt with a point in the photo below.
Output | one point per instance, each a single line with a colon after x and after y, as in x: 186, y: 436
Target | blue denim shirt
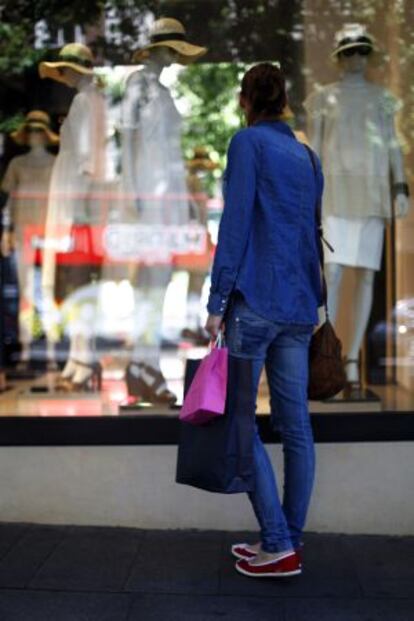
x: 267, y: 246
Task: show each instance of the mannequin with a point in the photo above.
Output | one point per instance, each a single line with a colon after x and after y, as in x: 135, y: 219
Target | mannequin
x: 78, y: 169
x: 352, y: 128
x: 153, y: 173
x: 26, y: 182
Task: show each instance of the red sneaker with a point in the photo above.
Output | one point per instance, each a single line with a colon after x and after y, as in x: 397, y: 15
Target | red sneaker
x: 284, y: 567
x: 240, y: 551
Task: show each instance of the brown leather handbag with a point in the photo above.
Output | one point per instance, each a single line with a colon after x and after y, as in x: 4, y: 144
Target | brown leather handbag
x: 326, y: 370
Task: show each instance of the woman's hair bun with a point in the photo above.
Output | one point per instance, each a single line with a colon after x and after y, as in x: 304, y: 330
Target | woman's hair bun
x: 264, y: 87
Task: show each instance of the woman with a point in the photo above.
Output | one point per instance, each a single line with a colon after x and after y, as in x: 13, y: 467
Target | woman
x: 266, y: 288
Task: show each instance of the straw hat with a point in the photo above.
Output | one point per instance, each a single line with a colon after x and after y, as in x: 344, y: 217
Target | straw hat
x: 168, y: 32
x: 36, y: 119
x: 73, y: 55
x: 201, y: 160
x: 351, y: 36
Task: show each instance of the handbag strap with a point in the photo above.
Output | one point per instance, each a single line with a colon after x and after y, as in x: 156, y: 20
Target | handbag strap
x: 321, y: 239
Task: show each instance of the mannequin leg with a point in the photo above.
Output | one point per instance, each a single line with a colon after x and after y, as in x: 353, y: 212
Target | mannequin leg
x: 27, y: 308
x: 147, y: 347
x: 143, y: 375
x: 333, y: 274
x: 194, y: 330
x: 152, y: 284
x: 363, y: 305
x: 80, y: 363
x: 40, y: 309
x: 83, y: 360
x: 195, y: 287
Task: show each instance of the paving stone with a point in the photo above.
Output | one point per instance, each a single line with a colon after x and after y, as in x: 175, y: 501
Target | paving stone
x: 177, y: 562
x: 55, y: 606
x: 185, y: 575
x: 384, y: 565
x: 10, y: 533
x: 349, y: 610
x: 95, y: 559
x: 205, y: 608
x: 29, y: 552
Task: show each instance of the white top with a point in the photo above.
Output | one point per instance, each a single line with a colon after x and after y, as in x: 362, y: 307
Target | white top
x: 79, y: 169
x: 354, y: 134
x: 27, y: 177
x: 152, y: 161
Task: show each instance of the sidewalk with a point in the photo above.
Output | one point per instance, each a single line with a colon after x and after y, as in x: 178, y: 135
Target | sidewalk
x: 66, y: 573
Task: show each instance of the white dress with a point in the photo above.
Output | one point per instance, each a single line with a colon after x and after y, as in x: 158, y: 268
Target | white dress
x: 79, y: 168
x: 359, y: 150
x: 357, y: 242
x: 154, y: 170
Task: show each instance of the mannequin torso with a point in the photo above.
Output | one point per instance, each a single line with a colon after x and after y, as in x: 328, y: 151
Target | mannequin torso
x: 352, y: 129
x: 27, y: 178
x: 152, y: 161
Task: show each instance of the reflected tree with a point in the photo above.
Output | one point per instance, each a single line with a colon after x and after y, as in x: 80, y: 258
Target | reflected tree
x: 235, y: 31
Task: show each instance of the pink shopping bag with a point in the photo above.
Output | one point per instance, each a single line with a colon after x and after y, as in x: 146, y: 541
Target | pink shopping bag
x: 206, y: 397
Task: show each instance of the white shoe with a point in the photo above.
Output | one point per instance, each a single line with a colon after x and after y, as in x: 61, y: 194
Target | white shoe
x: 69, y: 370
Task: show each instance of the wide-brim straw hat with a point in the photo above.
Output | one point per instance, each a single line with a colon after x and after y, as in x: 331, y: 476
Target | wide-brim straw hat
x: 201, y: 160
x: 352, y: 36
x: 36, y: 119
x: 169, y: 32
x: 74, y: 56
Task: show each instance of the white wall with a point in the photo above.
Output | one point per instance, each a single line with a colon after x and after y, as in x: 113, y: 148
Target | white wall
x: 360, y: 488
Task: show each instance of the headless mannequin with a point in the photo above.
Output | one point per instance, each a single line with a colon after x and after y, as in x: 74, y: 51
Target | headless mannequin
x: 80, y: 367
x: 31, y: 172
x: 151, y: 165
x: 157, y: 60
x: 354, y: 68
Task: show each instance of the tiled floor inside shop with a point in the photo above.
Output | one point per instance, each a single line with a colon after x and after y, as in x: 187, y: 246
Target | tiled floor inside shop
x: 37, y: 397
x: 66, y: 573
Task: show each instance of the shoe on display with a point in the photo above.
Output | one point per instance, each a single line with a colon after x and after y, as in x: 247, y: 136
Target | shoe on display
x: 81, y: 377
x: 88, y: 377
x: 69, y: 370
x: 148, y: 383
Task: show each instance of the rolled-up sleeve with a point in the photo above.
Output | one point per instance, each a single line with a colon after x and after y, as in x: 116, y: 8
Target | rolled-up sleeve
x: 235, y: 225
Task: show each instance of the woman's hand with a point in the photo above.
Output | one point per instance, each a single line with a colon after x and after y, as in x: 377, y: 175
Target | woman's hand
x: 213, y: 325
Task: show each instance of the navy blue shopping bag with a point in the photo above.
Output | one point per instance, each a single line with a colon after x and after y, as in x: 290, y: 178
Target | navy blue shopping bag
x: 218, y: 456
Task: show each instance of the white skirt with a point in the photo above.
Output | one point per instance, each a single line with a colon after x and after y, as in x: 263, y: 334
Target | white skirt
x: 357, y: 242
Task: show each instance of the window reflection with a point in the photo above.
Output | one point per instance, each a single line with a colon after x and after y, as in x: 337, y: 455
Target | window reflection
x: 114, y: 131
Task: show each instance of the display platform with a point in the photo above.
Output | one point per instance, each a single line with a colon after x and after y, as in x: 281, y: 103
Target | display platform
x: 32, y: 413
x: 365, y: 400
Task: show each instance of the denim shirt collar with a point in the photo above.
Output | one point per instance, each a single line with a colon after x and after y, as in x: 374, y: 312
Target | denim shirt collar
x: 280, y: 126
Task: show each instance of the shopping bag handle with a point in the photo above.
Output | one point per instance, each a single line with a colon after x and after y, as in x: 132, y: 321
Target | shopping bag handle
x: 219, y: 342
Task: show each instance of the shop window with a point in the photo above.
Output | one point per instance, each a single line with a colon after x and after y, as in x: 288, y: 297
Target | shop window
x: 114, y: 126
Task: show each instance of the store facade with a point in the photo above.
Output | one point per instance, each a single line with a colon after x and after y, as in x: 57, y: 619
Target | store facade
x: 114, y: 128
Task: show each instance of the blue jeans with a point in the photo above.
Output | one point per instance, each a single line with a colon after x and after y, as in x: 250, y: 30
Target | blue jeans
x: 283, y: 348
